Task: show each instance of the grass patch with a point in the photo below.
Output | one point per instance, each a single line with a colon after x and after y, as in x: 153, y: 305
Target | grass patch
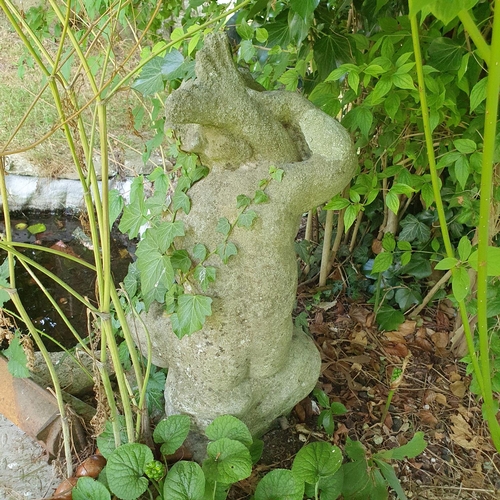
x: 52, y: 156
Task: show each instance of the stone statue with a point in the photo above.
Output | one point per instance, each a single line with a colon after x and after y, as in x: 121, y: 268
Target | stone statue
x: 248, y: 360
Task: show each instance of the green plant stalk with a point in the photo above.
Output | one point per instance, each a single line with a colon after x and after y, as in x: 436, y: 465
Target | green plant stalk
x: 437, y: 194
x: 87, y: 197
x: 470, y: 26
x: 24, y: 315
x: 144, y: 383
x: 390, y: 395
x: 482, y: 366
x: 58, y: 309
x: 103, y: 261
x: 377, y: 293
x: 155, y: 53
x: 7, y: 245
x: 53, y: 374
x: 490, y: 407
x: 59, y: 281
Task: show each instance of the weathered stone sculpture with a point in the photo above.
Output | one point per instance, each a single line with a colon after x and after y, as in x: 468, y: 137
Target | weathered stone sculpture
x: 248, y: 360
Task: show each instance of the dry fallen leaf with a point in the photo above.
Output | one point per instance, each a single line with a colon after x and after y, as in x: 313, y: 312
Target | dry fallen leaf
x: 408, y: 327
x: 440, y: 339
x: 429, y: 397
x: 395, y: 337
x: 441, y: 399
x: 399, y: 350
x: 462, y: 434
x: 427, y: 418
x: 458, y: 388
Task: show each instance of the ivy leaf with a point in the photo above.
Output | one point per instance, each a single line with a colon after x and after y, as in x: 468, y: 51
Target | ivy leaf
x: 150, y: 80
x: 413, y: 229
x: 18, y: 362
x: 228, y: 461
x: 316, y: 460
x: 407, y: 297
x: 167, y: 232
x: 246, y: 218
x: 304, y: 8
x: 133, y: 217
x: 260, y: 197
x: 226, y: 250
x: 180, y: 260
x: 329, y: 51
x: 181, y: 200
x: 190, y: 314
x: 419, y: 267
x: 200, y: 252
x: 223, y: 226
x: 185, y: 481
x: 242, y: 201
x: 171, y: 63
x: 171, y: 432
x: 280, y: 483
x: 116, y: 203
x: 204, y: 276
x: 157, y: 275
x: 389, y: 319
x: 445, y: 54
x: 125, y: 469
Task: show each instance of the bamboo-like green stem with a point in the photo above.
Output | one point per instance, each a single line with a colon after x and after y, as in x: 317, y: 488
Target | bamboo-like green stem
x: 490, y: 125
x: 48, y: 273
x: 56, y: 306
x: 4, y: 245
x: 437, y: 192
x: 24, y: 315
x: 53, y: 374
x: 480, y: 366
x: 470, y: 26
x: 154, y: 53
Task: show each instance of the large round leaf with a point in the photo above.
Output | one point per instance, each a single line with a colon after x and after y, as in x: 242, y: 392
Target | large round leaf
x: 171, y: 433
x: 280, y: 484
x: 228, y: 461
x: 86, y: 488
x: 230, y: 427
x: 185, y: 481
x: 125, y: 469
x: 317, y: 460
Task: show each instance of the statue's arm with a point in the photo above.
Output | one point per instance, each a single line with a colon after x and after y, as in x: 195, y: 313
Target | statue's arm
x: 331, y: 160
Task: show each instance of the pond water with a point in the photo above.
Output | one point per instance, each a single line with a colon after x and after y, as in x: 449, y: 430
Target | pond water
x: 63, y: 232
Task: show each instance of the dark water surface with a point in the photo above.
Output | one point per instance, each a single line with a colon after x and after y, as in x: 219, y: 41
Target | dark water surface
x: 63, y: 232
